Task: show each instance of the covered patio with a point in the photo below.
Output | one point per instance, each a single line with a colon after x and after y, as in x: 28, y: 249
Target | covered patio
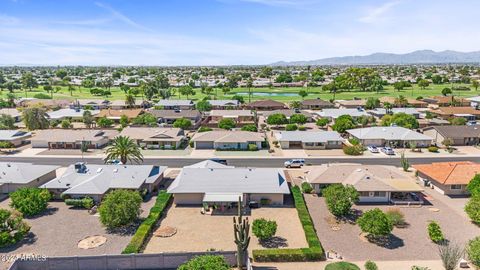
x: 222, y: 203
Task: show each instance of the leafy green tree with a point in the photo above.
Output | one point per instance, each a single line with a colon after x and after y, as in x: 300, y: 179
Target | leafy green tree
x: 88, y: 119
x: 124, y: 149
x: 206, y: 262
x: 250, y: 127
x: 472, y: 208
x: 13, y: 228
x: 375, y: 223
x: 104, y: 122
x: 458, y: 121
x: 277, y: 119
x: 187, y: 90
x: 343, y: 123
x: 474, y: 186
x: 298, y: 118
x: 340, y: 198
x: 145, y: 119
x: 423, y: 84
x: 35, y: 118
x: 61, y: 73
x: 295, y: 104
x: 182, y: 123
x: 120, y: 208
x: 130, y: 100
x: 30, y: 201
x: 446, y: 91
x: 203, y: 106
x: 205, y: 129
x: 7, y: 121
x: 264, y: 229
x: 401, y: 120
x: 369, y: 265
x: 321, y: 122
x: 372, y: 103
x: 475, y: 84
x: 65, y: 124
x: 226, y: 123
x: 28, y: 81
x: 238, y: 98
x: 291, y: 127
x: 473, y: 251
x: 302, y: 94
x: 435, y: 232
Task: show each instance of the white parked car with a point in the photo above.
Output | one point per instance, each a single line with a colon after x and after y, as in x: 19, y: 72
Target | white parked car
x: 388, y: 151
x: 373, y: 149
x: 294, y: 163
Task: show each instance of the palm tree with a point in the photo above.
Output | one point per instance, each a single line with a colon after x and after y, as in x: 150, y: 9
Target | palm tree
x: 130, y: 100
x: 125, y: 149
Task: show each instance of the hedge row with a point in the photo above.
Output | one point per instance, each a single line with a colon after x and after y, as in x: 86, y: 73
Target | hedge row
x: 314, y: 252
x: 144, y: 230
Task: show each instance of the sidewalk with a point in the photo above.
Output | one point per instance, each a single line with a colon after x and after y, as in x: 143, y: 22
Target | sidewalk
x: 382, y: 265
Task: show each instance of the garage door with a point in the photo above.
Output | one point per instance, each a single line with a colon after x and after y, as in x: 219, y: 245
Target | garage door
x: 204, y: 145
x: 295, y: 145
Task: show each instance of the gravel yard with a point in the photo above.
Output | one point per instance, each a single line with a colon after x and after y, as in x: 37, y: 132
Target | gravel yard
x: 410, y: 243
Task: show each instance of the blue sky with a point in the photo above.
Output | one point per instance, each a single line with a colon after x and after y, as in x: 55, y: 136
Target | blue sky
x: 225, y: 32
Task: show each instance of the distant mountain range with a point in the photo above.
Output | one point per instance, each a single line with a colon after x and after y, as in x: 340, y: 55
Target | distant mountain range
x: 416, y: 57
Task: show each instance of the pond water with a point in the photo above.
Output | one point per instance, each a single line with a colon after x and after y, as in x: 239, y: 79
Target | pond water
x: 268, y: 94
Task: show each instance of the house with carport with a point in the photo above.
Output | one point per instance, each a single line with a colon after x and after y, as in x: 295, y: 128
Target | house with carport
x: 15, y: 137
x: 457, y: 135
x: 227, y: 140
x: 155, y: 137
x: 309, y: 139
x: 390, y: 136
x: 72, y: 138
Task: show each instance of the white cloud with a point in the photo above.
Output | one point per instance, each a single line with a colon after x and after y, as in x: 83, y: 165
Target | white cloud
x: 120, y: 16
x: 376, y: 14
x: 8, y: 20
x: 276, y: 3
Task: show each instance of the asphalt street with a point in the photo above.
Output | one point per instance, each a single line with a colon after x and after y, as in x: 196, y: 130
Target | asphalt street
x: 240, y: 162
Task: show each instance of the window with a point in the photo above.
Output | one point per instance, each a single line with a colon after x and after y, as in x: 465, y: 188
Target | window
x: 309, y: 144
x: 456, y: 187
x: 364, y: 194
x: 379, y: 194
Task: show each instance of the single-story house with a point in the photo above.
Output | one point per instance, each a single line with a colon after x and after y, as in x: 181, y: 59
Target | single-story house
x: 174, y: 104
x: 375, y: 183
x: 88, y: 180
x: 335, y: 113
x: 208, y: 164
x: 474, y: 101
x: 94, y: 104
x: 74, y: 114
x: 224, y: 104
x: 424, y: 122
x: 316, y: 104
x: 467, y: 112
x: 309, y: 139
x: 223, y: 186
x: 120, y: 104
x: 155, y: 137
x: 266, y: 105
x: 47, y: 103
x: 15, y: 175
x: 380, y: 112
x: 168, y: 117
x: 445, y: 101
x: 458, y: 135
x: 16, y: 137
x: 448, y: 178
x: 227, y: 140
x: 13, y: 112
x: 241, y: 117
x: 72, y: 138
x: 390, y: 136
x: 288, y: 113
x: 351, y: 104
x: 411, y: 102
x: 116, y: 115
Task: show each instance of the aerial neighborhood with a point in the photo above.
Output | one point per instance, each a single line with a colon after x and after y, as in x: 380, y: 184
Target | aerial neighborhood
x: 118, y: 162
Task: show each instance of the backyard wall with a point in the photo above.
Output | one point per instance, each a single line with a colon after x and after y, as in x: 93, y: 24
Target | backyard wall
x: 118, y: 262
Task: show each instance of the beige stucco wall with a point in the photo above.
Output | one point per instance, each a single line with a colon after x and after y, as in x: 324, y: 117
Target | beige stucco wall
x: 188, y: 198
x: 275, y: 199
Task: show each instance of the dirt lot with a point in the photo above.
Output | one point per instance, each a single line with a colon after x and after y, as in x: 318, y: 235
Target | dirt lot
x: 197, y: 232
x: 57, y: 232
x: 410, y: 243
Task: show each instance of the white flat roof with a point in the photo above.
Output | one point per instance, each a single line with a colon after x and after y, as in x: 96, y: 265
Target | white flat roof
x: 222, y: 197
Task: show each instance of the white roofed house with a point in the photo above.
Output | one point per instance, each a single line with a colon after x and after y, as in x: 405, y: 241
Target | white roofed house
x: 223, y: 104
x: 13, y: 112
x: 227, y: 140
x: 309, y: 139
x: 72, y: 138
x: 155, y: 137
x: 224, y: 186
x: 176, y: 104
x: 88, y: 180
x: 74, y: 114
x: 15, y: 175
x: 390, y: 136
x: 335, y: 113
x: 15, y: 137
x: 95, y: 104
x: 375, y: 183
x: 380, y: 112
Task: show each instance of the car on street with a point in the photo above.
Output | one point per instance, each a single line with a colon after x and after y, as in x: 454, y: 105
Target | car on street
x: 373, y: 149
x: 388, y: 151
x: 294, y: 163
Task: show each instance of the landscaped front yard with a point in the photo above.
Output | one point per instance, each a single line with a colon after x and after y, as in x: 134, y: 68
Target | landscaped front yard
x: 197, y: 232
x: 411, y: 243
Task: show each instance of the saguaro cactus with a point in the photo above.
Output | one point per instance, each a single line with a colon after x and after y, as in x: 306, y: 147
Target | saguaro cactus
x: 241, y: 228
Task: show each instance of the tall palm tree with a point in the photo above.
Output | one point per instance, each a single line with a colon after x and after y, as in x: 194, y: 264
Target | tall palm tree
x: 129, y: 100
x: 125, y: 149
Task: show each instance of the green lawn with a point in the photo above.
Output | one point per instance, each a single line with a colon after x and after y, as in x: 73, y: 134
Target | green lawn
x: 314, y: 92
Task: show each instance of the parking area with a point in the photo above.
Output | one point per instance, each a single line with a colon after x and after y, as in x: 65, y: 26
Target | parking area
x: 411, y: 243
x: 197, y: 232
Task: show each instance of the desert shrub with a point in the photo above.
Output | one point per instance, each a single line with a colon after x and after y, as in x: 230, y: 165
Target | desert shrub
x: 355, y: 150
x: 433, y: 149
x: 354, y: 141
x: 30, y: 201
x: 86, y: 202
x: 415, y: 267
x: 307, y: 187
x: 205, y: 262
x: 322, y: 122
x: 6, y: 144
x: 291, y: 127
x: 13, y: 228
x: 341, y: 266
x: 375, y: 223
x: 252, y: 147
x: 474, y: 185
x: 340, y: 198
x: 472, y: 208
x: 396, y: 216
x: 473, y: 251
x: 264, y: 229
x: 120, y: 208
x: 369, y: 265
x: 226, y: 123
x: 435, y: 232
x: 302, y: 128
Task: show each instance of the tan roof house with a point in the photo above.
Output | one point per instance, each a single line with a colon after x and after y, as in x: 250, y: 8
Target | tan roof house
x: 227, y: 140
x: 467, y: 112
x: 241, y: 117
x: 266, y: 105
x: 117, y: 114
x: 155, y: 137
x: 316, y: 104
x: 375, y: 183
x: 411, y: 102
x: 72, y: 138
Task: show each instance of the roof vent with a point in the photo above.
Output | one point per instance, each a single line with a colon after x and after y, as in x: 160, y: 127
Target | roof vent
x: 367, y: 177
x: 80, y: 167
x: 9, y: 165
x: 115, y: 170
x: 99, y: 170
